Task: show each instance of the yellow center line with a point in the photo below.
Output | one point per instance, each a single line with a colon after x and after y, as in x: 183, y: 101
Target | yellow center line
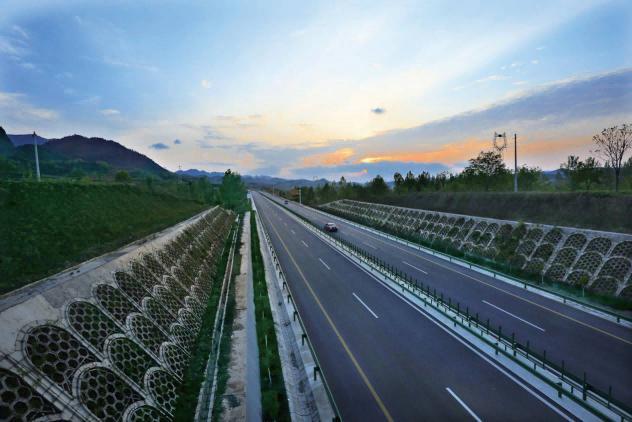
x: 377, y: 398
x: 499, y: 289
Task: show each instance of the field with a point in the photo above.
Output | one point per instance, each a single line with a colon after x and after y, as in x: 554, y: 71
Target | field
x: 49, y: 226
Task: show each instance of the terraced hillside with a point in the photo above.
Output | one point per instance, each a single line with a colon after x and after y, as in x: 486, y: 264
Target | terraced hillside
x: 111, y: 343
x: 601, y: 261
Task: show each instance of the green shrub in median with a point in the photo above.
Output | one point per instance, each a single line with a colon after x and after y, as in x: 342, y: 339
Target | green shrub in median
x: 274, y: 404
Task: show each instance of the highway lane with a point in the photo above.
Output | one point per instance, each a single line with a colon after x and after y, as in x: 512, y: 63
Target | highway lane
x: 382, y: 358
x: 583, y: 341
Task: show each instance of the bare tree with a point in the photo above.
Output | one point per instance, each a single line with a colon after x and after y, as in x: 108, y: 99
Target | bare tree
x: 612, y: 144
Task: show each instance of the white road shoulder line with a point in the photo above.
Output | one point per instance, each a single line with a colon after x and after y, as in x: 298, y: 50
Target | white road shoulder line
x: 303, y: 242
x: 293, y: 232
x: 323, y: 262
x: 462, y: 403
x: 417, y: 268
x: 515, y: 316
x: 365, y: 305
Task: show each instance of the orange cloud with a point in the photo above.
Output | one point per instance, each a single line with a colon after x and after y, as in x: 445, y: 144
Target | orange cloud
x: 329, y: 159
x: 448, y: 153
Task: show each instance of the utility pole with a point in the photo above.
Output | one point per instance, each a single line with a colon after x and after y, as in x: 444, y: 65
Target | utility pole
x: 37, y: 170
x: 515, y: 162
x: 300, y: 198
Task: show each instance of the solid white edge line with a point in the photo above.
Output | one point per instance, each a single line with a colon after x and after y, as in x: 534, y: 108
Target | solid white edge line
x: 515, y: 316
x: 323, y: 262
x: 293, y: 232
x: 303, y: 242
x: 365, y: 305
x: 411, y: 265
x: 462, y: 403
x: 505, y: 371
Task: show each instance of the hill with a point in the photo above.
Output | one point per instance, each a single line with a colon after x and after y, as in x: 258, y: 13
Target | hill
x: 6, y: 146
x: 19, y: 140
x: 256, y: 181
x: 49, y: 226
x: 98, y: 149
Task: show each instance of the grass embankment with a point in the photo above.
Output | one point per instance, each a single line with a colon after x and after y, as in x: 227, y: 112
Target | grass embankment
x: 195, y: 372
x: 500, y: 266
x: 274, y: 403
x: 591, y: 210
x: 49, y: 226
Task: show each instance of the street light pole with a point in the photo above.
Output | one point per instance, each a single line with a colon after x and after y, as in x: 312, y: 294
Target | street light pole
x: 37, y: 170
x: 515, y: 162
x: 300, y: 198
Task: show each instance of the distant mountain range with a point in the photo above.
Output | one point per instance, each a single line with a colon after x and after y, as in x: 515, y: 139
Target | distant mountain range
x: 256, y: 181
x: 60, y: 156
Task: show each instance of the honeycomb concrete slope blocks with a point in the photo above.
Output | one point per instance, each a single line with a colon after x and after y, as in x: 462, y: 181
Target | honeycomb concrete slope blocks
x: 110, y: 343
x: 601, y: 260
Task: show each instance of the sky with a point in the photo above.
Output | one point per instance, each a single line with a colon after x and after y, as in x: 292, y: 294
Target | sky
x: 319, y: 89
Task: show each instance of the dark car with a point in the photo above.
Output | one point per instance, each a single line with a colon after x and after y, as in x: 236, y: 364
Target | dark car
x: 285, y: 202
x: 331, y: 227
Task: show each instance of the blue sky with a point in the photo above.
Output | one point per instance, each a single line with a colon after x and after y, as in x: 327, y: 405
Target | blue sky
x: 292, y: 89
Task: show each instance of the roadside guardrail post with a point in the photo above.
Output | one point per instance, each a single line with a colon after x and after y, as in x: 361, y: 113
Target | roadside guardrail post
x: 303, y: 337
x: 295, y: 315
x: 316, y: 371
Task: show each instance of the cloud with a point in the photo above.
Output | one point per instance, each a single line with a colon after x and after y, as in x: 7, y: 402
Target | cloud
x: 126, y: 64
x: 378, y: 110
x: 535, y: 61
x: 110, y: 112
x: 492, y: 78
x: 336, y: 157
x: 205, y: 84
x: 14, y: 106
x: 177, y: 141
x: 159, y: 146
x: 93, y: 100
x: 20, y: 31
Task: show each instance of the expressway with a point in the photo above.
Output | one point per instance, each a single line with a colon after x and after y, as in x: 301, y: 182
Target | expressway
x: 384, y: 358
x: 585, y: 342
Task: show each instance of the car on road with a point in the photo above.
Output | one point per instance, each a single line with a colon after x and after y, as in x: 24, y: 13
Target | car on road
x: 331, y: 227
x: 285, y: 202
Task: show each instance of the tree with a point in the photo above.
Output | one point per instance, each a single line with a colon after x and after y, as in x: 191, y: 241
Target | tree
x: 409, y: 181
x: 529, y: 177
x: 486, y: 167
x: 232, y: 191
x: 399, y: 182
x: 122, y: 177
x: 612, y: 144
x: 570, y: 170
x: 422, y: 181
x: 588, y: 173
x: 378, y: 186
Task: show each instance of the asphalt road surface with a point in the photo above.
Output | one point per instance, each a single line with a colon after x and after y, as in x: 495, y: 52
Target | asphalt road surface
x: 585, y: 342
x: 382, y: 357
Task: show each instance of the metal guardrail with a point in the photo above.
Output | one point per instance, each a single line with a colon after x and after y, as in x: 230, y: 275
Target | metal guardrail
x: 297, y: 316
x: 494, y: 273
x: 567, y: 383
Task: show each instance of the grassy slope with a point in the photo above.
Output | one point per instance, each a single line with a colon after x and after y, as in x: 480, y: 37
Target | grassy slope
x: 599, y: 211
x: 46, y: 227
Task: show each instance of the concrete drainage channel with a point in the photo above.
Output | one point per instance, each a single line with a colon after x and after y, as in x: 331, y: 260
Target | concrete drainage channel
x: 308, y: 394
x: 569, y: 392
x: 206, y: 397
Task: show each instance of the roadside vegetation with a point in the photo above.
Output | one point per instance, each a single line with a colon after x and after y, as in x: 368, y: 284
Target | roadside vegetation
x: 49, y: 226
x: 274, y: 404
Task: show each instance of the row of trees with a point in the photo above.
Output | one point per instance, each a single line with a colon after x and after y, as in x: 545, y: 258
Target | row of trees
x: 488, y: 172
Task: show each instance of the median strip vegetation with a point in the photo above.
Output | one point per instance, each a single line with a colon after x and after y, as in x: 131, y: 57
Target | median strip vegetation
x: 274, y: 404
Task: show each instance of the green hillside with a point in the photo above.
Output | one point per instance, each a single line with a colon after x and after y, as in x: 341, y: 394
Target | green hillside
x: 49, y: 226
